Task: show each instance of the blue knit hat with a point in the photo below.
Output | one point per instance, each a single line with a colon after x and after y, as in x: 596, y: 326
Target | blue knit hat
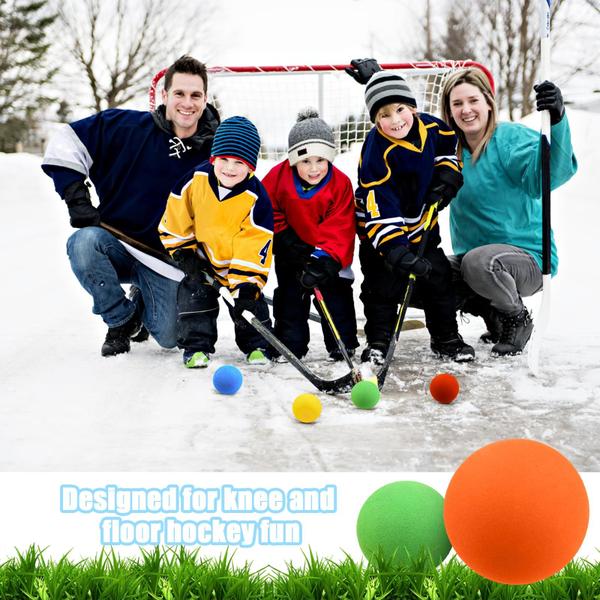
x: 237, y: 138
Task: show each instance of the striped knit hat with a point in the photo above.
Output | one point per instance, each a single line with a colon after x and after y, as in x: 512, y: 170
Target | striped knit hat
x: 237, y: 138
x: 385, y: 88
x: 310, y: 136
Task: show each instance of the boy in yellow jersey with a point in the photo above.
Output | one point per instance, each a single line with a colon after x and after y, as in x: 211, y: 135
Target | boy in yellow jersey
x: 219, y: 219
x: 408, y: 162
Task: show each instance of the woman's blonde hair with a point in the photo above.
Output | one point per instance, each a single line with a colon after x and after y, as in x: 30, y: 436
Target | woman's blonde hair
x: 479, y: 79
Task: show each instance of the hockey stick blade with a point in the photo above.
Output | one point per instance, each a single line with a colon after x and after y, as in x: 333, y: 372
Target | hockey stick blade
x: 340, y: 385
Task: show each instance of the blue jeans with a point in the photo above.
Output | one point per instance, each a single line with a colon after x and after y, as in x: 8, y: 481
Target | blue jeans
x: 101, y: 264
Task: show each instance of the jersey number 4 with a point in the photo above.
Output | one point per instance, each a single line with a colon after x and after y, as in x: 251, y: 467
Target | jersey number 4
x: 264, y: 252
x: 372, y: 207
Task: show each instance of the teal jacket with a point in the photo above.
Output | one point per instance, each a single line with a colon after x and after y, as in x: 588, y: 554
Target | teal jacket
x: 500, y: 201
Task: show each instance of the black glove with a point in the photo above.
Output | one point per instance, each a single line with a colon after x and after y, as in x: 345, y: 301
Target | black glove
x: 248, y: 294
x: 319, y: 271
x: 444, y: 189
x: 288, y: 246
x: 362, y: 69
x: 190, y: 263
x: 403, y: 261
x: 548, y: 97
x: 81, y: 210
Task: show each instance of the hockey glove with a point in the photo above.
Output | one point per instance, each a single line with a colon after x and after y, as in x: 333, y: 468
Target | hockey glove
x: 190, y: 263
x: 403, y: 261
x: 362, y: 69
x: 248, y: 294
x: 288, y: 246
x: 444, y: 188
x: 548, y: 97
x: 319, y: 271
x: 81, y: 210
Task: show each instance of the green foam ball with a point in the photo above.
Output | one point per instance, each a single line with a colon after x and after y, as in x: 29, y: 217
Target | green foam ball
x: 365, y: 394
x: 401, y: 520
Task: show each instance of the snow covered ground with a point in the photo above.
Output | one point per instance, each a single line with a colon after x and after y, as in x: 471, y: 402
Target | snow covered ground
x: 64, y: 407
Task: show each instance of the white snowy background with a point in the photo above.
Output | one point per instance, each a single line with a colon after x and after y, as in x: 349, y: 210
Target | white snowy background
x: 64, y: 407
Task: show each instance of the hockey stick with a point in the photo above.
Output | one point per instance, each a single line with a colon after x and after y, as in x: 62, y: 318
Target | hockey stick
x: 342, y: 384
x: 381, y: 375
x: 533, y: 355
x: 407, y: 325
x: 336, y: 334
x: 311, y: 315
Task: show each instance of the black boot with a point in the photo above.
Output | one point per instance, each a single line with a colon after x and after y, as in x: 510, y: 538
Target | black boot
x: 453, y: 347
x: 479, y: 306
x: 374, y: 354
x: 118, y: 338
x: 494, y: 327
x: 135, y: 295
x: 516, y: 331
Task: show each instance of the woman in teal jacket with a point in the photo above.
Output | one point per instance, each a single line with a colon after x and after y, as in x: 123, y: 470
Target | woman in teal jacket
x: 496, y: 217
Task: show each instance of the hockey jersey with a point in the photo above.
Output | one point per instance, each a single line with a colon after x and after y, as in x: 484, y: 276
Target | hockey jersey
x: 231, y: 229
x: 322, y: 216
x: 394, y: 177
x: 133, y: 158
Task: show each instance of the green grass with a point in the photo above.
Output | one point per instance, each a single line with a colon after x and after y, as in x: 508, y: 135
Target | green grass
x: 182, y: 574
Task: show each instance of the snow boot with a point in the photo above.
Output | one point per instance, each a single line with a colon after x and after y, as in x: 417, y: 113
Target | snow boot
x: 480, y: 307
x: 135, y: 295
x: 336, y: 355
x: 453, y: 347
x: 196, y: 360
x: 117, y: 339
x: 494, y: 327
x: 374, y: 354
x: 142, y: 335
x: 257, y: 357
x: 516, y: 331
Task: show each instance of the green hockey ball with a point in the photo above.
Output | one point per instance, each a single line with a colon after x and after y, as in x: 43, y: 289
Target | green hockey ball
x: 365, y: 394
x: 401, y: 521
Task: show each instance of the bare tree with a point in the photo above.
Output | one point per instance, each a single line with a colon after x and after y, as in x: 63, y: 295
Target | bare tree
x: 506, y: 39
x: 118, y: 45
x: 457, y: 41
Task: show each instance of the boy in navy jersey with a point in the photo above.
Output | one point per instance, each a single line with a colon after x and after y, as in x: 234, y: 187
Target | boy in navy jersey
x: 314, y: 225
x: 408, y: 161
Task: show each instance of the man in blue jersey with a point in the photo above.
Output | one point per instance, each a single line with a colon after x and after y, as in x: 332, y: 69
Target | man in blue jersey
x: 133, y: 159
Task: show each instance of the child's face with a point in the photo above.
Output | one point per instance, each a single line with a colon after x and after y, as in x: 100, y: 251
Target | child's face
x: 395, y: 120
x: 230, y: 171
x: 312, y: 169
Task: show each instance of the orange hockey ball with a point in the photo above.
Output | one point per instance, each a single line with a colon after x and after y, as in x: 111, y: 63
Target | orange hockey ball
x: 444, y: 388
x: 516, y: 511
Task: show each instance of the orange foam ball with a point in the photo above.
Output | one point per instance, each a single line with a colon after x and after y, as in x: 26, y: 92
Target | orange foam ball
x: 444, y: 388
x: 516, y: 511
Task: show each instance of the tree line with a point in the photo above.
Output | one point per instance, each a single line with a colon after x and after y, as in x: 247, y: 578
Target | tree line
x: 102, y: 54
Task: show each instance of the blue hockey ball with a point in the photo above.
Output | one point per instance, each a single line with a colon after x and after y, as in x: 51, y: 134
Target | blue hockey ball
x: 227, y: 379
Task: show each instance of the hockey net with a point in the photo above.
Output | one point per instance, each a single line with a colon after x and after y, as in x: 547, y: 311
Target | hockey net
x: 271, y: 97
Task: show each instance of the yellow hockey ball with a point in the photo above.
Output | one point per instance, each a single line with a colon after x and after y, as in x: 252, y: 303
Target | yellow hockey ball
x: 307, y: 408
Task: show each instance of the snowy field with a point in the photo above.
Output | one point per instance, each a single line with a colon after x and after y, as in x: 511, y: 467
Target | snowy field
x: 65, y: 408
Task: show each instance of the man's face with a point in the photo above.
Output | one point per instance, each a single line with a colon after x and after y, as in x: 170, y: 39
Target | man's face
x: 185, y: 101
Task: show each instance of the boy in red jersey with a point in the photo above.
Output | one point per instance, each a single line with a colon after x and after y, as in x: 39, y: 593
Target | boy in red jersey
x: 314, y: 226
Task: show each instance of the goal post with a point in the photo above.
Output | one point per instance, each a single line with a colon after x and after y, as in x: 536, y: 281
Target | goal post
x: 272, y: 96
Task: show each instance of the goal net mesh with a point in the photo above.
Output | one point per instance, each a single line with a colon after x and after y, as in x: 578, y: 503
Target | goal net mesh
x: 273, y: 99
